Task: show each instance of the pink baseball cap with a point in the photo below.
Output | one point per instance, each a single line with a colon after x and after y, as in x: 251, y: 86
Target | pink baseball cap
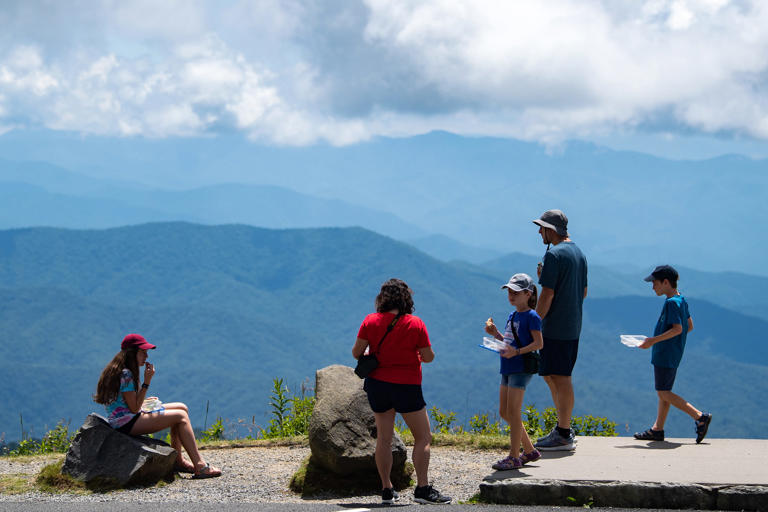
x: 137, y: 341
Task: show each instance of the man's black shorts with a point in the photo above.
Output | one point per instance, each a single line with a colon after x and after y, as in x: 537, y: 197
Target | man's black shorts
x: 558, y: 357
x: 664, y: 378
x: 403, y: 398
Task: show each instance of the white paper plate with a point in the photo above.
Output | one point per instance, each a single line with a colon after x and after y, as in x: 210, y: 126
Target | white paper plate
x: 492, y: 344
x: 632, y: 340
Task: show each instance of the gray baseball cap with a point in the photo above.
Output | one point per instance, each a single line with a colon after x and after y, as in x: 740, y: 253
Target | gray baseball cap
x: 520, y: 282
x: 555, y: 220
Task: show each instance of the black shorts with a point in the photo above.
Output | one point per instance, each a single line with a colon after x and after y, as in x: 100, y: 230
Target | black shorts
x: 126, y: 429
x: 558, y: 357
x: 403, y: 398
x: 664, y: 378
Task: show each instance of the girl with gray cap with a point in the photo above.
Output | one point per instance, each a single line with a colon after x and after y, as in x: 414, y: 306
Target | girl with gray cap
x: 522, y: 335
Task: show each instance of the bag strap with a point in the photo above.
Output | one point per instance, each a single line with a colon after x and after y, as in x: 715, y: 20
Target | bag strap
x: 389, y: 329
x: 514, y: 331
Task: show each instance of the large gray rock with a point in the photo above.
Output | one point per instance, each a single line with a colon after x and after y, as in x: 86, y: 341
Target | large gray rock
x: 101, y: 454
x: 342, y: 430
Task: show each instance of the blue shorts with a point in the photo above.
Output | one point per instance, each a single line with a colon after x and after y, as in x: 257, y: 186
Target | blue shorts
x: 558, y: 357
x: 403, y: 398
x: 516, y: 380
x: 664, y: 378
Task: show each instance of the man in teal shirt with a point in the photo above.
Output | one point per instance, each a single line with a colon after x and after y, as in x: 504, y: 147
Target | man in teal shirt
x: 563, y: 280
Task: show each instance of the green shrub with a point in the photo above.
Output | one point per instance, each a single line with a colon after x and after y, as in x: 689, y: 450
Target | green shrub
x: 480, y: 424
x: 215, y: 432
x: 290, y: 414
x: 539, y: 424
x: 591, y: 426
x: 56, y: 440
x: 27, y: 447
x: 443, y: 421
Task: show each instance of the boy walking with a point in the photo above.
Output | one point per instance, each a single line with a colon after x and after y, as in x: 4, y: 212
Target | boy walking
x: 668, y: 342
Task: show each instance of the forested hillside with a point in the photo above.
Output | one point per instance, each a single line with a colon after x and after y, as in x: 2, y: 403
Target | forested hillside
x: 230, y: 307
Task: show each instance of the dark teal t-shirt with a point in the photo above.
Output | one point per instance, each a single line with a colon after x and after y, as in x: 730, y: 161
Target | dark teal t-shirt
x: 565, y: 271
x: 667, y: 354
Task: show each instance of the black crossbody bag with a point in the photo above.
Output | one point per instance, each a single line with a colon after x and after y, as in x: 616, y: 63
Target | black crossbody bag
x: 530, y: 359
x: 367, y: 363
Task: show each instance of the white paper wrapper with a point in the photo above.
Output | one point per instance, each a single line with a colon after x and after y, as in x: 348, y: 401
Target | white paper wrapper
x: 492, y: 344
x: 152, y: 405
x: 632, y: 340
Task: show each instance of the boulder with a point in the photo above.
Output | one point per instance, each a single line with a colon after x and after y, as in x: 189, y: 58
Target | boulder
x: 103, y: 456
x: 342, y: 430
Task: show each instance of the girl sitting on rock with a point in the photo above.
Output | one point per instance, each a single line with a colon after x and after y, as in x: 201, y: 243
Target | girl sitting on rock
x: 120, y: 393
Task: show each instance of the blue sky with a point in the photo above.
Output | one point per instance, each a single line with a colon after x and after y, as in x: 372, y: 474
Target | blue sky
x: 679, y: 78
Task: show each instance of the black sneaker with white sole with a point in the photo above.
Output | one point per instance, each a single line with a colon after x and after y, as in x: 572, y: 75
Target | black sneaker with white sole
x: 428, y: 495
x: 389, y: 496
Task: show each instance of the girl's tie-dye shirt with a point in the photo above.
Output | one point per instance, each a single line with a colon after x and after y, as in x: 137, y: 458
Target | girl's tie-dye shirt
x: 118, y: 413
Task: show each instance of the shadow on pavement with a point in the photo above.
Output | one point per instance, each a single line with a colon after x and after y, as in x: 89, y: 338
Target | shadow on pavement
x: 558, y: 454
x: 373, y: 505
x: 654, y: 445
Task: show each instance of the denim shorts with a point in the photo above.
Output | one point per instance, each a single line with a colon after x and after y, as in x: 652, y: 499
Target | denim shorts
x: 664, y: 378
x: 558, y: 357
x: 516, y: 380
x: 403, y: 398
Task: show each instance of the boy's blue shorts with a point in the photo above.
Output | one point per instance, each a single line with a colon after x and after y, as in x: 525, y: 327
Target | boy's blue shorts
x: 664, y: 378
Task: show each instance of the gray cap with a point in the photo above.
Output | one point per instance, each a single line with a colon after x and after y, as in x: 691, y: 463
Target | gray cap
x: 555, y: 220
x: 520, y: 282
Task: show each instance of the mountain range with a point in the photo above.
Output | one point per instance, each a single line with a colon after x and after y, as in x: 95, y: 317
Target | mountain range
x: 232, y: 306
x: 454, y: 197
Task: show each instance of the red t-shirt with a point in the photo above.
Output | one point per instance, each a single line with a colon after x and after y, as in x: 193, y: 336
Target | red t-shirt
x: 399, y: 360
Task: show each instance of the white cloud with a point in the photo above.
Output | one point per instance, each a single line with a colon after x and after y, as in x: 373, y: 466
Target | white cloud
x: 298, y: 72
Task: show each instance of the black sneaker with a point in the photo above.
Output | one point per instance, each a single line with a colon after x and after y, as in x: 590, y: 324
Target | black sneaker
x: 430, y: 496
x: 389, y: 496
x: 650, y: 435
x: 702, y: 425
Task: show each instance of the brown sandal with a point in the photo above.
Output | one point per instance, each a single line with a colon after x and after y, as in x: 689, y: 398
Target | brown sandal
x: 207, y: 472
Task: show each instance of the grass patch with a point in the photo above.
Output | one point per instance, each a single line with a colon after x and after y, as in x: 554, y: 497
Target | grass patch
x: 52, y: 480
x: 475, y: 499
x: 467, y: 441
x: 310, y: 480
x: 15, y: 484
x: 251, y: 443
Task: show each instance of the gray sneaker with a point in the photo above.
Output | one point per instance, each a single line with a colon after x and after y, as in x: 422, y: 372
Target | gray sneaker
x: 546, y: 438
x: 556, y: 442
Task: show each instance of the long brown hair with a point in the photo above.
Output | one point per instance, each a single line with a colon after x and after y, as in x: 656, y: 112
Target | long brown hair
x: 109, y: 383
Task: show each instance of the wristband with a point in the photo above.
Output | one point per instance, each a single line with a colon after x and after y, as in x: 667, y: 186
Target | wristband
x: 145, y: 386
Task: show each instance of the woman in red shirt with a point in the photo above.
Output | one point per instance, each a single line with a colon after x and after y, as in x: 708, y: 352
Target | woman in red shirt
x: 395, y: 385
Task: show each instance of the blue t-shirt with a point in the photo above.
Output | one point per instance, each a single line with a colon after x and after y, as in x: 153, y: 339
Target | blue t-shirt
x: 524, y: 324
x: 667, y: 354
x: 564, y: 271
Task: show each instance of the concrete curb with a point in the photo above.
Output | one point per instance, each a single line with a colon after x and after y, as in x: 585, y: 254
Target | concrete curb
x: 625, y: 494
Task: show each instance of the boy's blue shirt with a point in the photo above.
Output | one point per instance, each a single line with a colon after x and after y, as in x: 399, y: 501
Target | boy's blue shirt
x: 668, y: 353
